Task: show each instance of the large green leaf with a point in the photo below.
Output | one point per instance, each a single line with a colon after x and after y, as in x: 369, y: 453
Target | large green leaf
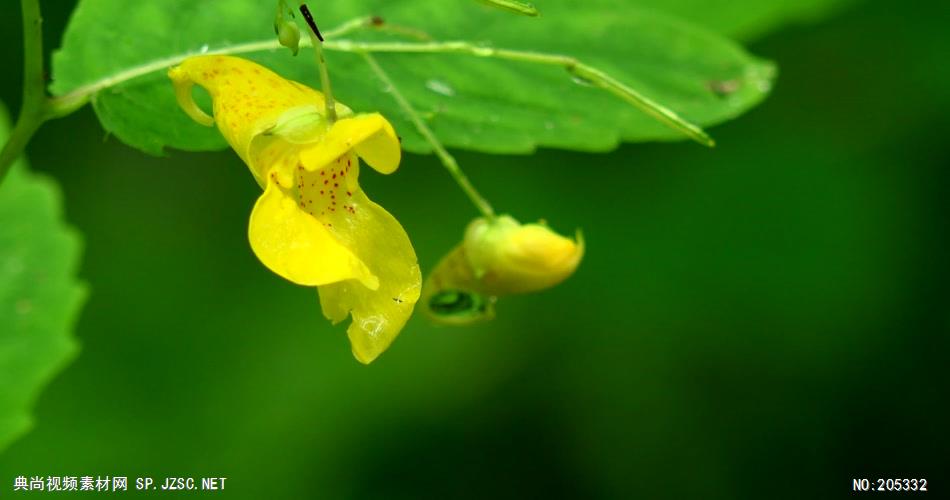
x: 40, y: 296
x: 471, y: 102
x: 746, y: 19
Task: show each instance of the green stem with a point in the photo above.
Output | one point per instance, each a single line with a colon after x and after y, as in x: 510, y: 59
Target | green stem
x: 444, y: 156
x: 328, y: 102
x: 573, y: 66
x: 376, y: 24
x: 33, y: 110
x: 350, y: 26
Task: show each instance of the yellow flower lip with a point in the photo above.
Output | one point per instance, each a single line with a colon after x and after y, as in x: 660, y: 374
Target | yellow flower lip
x: 313, y: 225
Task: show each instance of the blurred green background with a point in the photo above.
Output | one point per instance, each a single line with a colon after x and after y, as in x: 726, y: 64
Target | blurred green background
x: 761, y: 320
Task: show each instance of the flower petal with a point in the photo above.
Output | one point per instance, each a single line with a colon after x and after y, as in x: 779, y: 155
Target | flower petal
x: 370, y: 135
x: 296, y: 246
x: 381, y: 242
x: 247, y: 96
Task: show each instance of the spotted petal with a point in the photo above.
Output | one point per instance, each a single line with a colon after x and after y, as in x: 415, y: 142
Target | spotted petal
x: 379, y: 240
x: 296, y: 246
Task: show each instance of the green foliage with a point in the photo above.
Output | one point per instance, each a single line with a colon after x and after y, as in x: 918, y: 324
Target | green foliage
x: 39, y: 293
x: 471, y: 102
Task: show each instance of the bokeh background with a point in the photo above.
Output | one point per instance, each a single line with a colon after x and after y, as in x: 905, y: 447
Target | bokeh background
x: 766, y: 319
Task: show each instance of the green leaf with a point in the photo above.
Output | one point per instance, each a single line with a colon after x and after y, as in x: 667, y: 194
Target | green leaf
x: 746, y: 19
x: 40, y: 296
x: 477, y: 103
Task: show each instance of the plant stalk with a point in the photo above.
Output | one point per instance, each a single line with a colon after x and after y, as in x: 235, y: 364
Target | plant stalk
x: 317, y: 43
x: 33, y: 108
x: 448, y: 161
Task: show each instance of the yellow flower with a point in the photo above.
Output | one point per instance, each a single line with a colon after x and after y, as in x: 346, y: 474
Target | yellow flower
x: 314, y: 225
x: 498, y: 257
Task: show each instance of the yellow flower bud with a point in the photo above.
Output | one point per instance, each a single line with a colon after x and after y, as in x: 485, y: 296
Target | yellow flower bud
x: 498, y: 256
x: 508, y: 257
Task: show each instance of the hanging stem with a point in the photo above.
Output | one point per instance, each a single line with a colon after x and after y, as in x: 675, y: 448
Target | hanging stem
x: 317, y: 43
x: 448, y: 161
x: 33, y: 107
